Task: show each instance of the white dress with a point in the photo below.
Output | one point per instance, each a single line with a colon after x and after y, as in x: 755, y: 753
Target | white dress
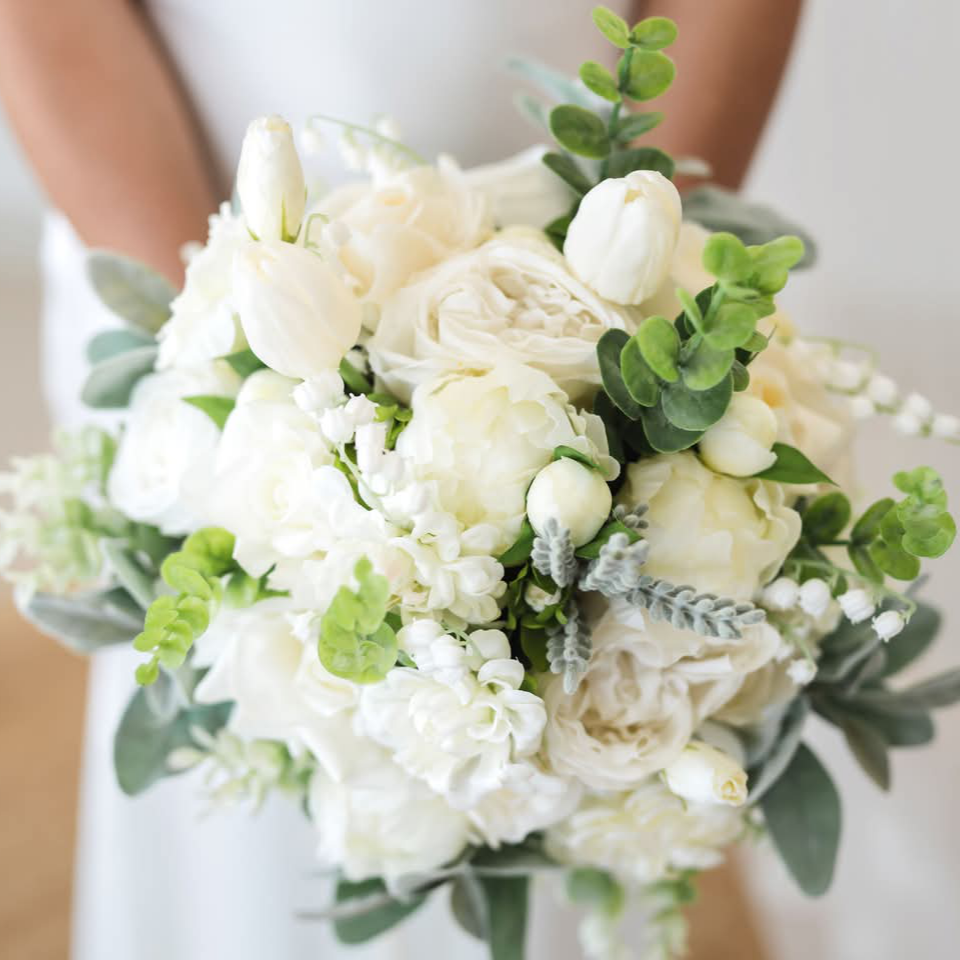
x: 152, y: 881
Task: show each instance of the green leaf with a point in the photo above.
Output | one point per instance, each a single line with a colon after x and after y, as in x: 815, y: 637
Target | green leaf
x: 110, y: 383
x: 696, y: 409
x: 894, y: 561
x: 519, y: 552
x: 659, y: 343
x: 663, y: 436
x: 706, y: 366
x: 133, y: 291
x: 928, y: 530
x: 216, y: 408
x: 867, y: 528
x: 635, y: 125
x: 868, y: 747
x: 84, y: 622
x: 385, y: 912
x: 564, y: 452
x: 506, y: 899
x: 940, y: 691
x: 469, y: 906
x: 802, y: 813
x: 130, y: 572
x: 560, y: 87
x: 244, y: 362
x: 565, y: 167
x: 825, y: 519
x: 591, y: 550
x: 622, y: 162
x: 732, y: 325
x: 792, y: 467
x: 725, y: 257
x: 864, y: 563
x: 650, y: 74
x: 913, y: 640
x: 600, y: 80
x: 612, y: 26
x: 924, y: 483
x: 556, y: 230
x: 596, y: 889
x: 654, y: 33
x: 639, y: 379
x: 772, y: 766
x: 901, y: 728
x: 741, y: 376
x: 609, y: 349
x: 110, y: 343
x: 579, y: 131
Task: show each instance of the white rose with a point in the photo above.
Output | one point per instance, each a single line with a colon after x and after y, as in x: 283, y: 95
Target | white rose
x: 643, y: 835
x: 622, y: 240
x: 270, y: 180
x: 686, y: 271
x: 704, y: 774
x: 202, y: 324
x: 723, y: 535
x: 480, y: 438
x: 163, y: 472
x: 298, y: 315
x: 521, y: 190
x: 573, y: 494
x: 405, y: 223
x: 740, y: 442
x: 513, y: 300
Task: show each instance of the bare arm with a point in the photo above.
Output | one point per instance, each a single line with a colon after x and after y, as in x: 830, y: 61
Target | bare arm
x: 730, y: 57
x: 105, y: 125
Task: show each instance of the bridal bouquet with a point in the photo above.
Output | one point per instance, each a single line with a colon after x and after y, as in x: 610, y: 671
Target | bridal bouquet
x: 494, y: 515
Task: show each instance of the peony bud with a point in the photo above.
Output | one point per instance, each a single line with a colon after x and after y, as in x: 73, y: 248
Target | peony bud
x: 782, y: 594
x: 703, y: 774
x: 888, y: 624
x: 270, y: 181
x: 574, y: 495
x: 298, y: 316
x: 622, y: 240
x: 815, y: 598
x: 857, y: 605
x: 739, y: 443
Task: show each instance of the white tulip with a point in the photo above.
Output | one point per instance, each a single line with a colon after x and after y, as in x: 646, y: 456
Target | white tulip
x: 888, y: 624
x: 574, y: 495
x: 857, y: 605
x: 298, y: 315
x: 740, y: 442
x: 622, y: 240
x: 270, y: 181
x: 704, y: 774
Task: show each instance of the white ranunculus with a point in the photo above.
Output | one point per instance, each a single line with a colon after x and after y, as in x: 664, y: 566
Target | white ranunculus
x: 163, y: 472
x: 521, y: 190
x: 642, y: 835
x: 740, y: 443
x: 202, y: 324
x: 297, y: 313
x: 270, y: 181
x: 404, y: 223
x: 621, y: 242
x: 573, y: 494
x: 723, y: 535
x: 480, y: 438
x: 704, y: 774
x: 686, y: 271
x: 513, y: 300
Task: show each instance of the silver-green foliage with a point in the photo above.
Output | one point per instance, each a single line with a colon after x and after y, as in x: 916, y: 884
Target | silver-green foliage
x: 569, y: 646
x: 553, y: 554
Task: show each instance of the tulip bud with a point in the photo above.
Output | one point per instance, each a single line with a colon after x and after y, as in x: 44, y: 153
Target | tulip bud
x: 739, y: 443
x: 574, y: 495
x: 270, y: 181
x: 703, y: 774
x: 298, y: 315
x: 815, y: 597
x: 888, y: 624
x: 857, y: 605
x: 622, y: 240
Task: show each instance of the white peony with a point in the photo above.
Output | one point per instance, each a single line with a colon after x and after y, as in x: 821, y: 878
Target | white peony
x: 740, y: 443
x: 622, y: 240
x: 404, y: 223
x: 720, y: 534
x: 704, y: 774
x: 163, y: 472
x: 573, y: 494
x: 513, y: 300
x: 644, y: 834
x: 479, y: 438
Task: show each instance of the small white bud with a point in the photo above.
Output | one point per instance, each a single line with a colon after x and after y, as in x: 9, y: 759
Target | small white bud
x: 815, y: 597
x: 946, y: 426
x: 782, y: 594
x: 883, y: 391
x: 857, y: 605
x: 907, y: 424
x: 802, y: 671
x: 888, y: 624
x: 918, y: 406
x: 740, y: 443
x: 539, y: 599
x: 861, y: 407
x: 320, y: 392
x: 704, y: 774
x: 846, y: 375
x: 574, y: 495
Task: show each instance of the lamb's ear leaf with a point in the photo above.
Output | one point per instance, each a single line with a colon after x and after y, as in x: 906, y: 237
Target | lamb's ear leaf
x: 136, y: 293
x: 384, y: 911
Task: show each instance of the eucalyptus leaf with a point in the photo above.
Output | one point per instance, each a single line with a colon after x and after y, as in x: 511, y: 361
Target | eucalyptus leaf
x: 868, y: 526
x: 468, y: 904
x: 894, y: 561
x: 654, y: 33
x: 507, y: 899
x: 706, y: 366
x: 382, y: 916
x: 84, y: 622
x: 659, y: 343
x: 218, y: 409
x: 609, y: 348
x: 133, y: 291
x: 622, y: 162
x: 110, y: 343
x: 732, y: 325
x: 110, y: 383
x: 612, y: 26
x: 600, y: 80
x: 634, y: 125
x: 246, y: 362
x: 792, y: 466
x: 650, y: 74
x: 663, y: 436
x: 140, y: 584
x: 825, y: 519
x: 565, y: 167
x: 555, y: 84
x: 696, y: 409
x: 580, y: 131
x: 639, y: 379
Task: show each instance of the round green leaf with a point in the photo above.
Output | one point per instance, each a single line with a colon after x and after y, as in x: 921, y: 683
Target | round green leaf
x: 654, y: 33
x: 659, y: 343
x: 622, y: 162
x: 663, y: 436
x: 867, y: 527
x: 609, y: 349
x: 741, y: 376
x: 706, y: 366
x: 793, y: 466
x: 826, y: 518
x: 696, y: 409
x: 599, y: 79
x: 111, y: 382
x: 635, y: 124
x: 731, y: 326
x: 640, y: 380
x: 612, y: 26
x: 725, y: 257
x: 893, y: 560
x: 651, y: 73
x: 579, y: 131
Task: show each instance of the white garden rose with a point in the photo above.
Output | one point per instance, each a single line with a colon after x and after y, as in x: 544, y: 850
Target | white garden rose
x: 643, y: 834
x: 574, y: 495
x: 479, y: 438
x: 513, y: 300
x: 403, y: 223
x: 622, y: 240
x: 163, y: 471
x: 295, y: 309
x: 704, y: 774
x: 686, y: 271
x: 740, y: 443
x: 720, y: 534
x: 203, y: 324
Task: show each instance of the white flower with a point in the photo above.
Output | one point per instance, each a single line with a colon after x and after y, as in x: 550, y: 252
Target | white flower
x: 298, y: 315
x: 405, y: 223
x: 945, y: 426
x: 857, y: 605
x: 918, y: 406
x: 861, y: 407
x: 847, y: 375
x: 202, y: 324
x: 479, y: 439
x: 521, y: 190
x: 539, y: 599
x: 801, y: 671
x: 163, y: 472
x: 815, y: 597
x: 574, y: 495
x: 642, y: 835
x: 740, y: 442
x: 270, y: 180
x: 513, y: 300
x: 907, y: 424
x: 622, y: 240
x: 888, y: 624
x: 782, y: 594
x: 723, y: 535
x: 704, y: 774
x: 686, y: 271
x: 883, y: 391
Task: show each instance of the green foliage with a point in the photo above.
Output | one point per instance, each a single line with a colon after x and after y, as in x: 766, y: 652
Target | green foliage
x: 635, y: 125
x: 519, y: 552
x: 579, y: 131
x: 626, y: 161
x: 567, y: 169
x: 564, y: 452
x: 86, y: 622
x: 393, y: 413
x: 654, y: 33
x: 355, y: 641
x: 376, y: 911
x: 111, y: 381
x: 111, y: 343
x: 648, y: 74
x: 244, y: 362
x: 612, y: 26
x: 507, y: 903
x: 215, y: 407
x: 696, y: 410
x: 827, y: 517
x: 769, y: 767
x: 792, y: 466
x: 595, y: 889
x: 133, y: 291
x: 635, y: 374
x: 659, y: 345
x: 353, y: 379
x: 600, y: 80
